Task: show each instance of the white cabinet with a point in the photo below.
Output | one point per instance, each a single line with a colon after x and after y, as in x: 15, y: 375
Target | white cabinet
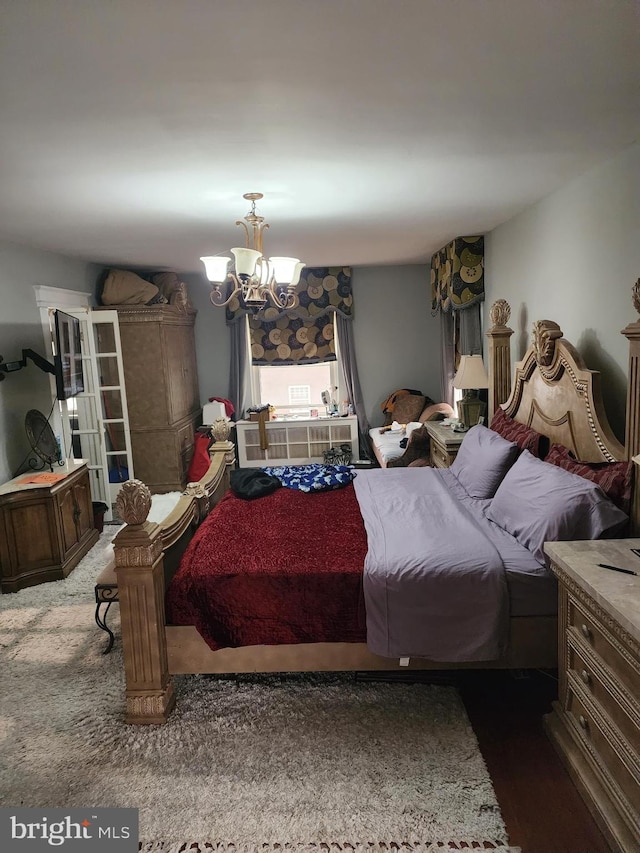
x: 295, y: 441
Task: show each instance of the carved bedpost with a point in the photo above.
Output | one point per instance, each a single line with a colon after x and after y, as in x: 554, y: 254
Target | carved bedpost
x: 632, y: 425
x: 139, y: 570
x: 220, y: 431
x: 499, y: 355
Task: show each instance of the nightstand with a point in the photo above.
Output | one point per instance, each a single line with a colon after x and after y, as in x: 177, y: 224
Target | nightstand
x: 595, y: 724
x: 445, y: 443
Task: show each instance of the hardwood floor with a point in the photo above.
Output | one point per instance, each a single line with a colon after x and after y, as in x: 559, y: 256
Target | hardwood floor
x: 542, y: 809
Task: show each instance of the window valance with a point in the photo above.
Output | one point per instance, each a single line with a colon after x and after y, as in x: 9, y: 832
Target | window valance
x: 320, y: 291
x: 457, y: 274
x: 291, y: 340
x: 305, y: 334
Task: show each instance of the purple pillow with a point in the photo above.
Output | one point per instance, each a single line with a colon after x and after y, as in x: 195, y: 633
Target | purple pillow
x: 482, y: 461
x: 538, y: 502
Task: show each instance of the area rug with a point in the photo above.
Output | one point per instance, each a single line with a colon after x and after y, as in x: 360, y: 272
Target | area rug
x: 257, y: 763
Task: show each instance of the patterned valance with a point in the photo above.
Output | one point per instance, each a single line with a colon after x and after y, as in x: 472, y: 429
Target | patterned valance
x: 291, y: 340
x: 457, y: 274
x: 320, y: 291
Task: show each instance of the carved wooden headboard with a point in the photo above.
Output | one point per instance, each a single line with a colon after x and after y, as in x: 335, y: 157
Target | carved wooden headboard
x: 557, y: 395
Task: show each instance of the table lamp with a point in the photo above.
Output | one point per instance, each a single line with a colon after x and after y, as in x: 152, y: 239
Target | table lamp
x: 470, y: 376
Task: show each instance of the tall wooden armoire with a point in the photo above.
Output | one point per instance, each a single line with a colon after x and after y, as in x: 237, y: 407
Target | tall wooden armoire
x: 158, y: 351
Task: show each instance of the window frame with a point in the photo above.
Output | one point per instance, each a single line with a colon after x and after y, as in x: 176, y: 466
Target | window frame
x: 336, y: 374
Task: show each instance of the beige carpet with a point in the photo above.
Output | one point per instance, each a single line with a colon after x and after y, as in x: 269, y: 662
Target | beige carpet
x: 304, y: 763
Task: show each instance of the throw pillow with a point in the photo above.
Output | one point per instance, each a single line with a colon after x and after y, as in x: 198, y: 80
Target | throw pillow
x: 614, y: 478
x: 525, y: 437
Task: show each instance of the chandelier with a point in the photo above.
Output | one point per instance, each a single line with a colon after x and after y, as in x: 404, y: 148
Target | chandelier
x: 253, y: 277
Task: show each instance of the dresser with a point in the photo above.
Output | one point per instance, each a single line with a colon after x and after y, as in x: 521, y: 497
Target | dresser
x: 45, y: 529
x: 161, y: 378
x: 595, y: 724
x: 445, y: 443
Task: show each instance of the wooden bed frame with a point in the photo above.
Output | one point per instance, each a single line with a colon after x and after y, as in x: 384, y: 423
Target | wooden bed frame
x: 553, y: 392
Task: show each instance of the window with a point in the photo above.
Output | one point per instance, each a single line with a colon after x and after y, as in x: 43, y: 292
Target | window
x: 295, y: 389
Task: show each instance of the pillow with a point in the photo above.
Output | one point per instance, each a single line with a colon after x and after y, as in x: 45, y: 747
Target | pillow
x: 537, y: 502
x: 525, y: 437
x: 614, y: 478
x: 200, y: 461
x: 483, y: 459
x: 408, y: 408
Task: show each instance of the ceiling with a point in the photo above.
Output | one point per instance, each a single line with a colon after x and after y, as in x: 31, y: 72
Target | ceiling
x: 376, y: 129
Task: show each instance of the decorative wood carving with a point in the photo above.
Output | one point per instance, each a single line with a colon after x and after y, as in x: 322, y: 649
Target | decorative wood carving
x: 500, y: 312
x: 140, y: 576
x: 134, y: 502
x: 196, y: 490
x: 499, y: 356
x: 635, y: 295
x: 220, y: 429
x: 555, y: 394
x: 545, y: 335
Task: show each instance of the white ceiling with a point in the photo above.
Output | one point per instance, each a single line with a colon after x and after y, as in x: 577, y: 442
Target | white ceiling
x: 376, y: 129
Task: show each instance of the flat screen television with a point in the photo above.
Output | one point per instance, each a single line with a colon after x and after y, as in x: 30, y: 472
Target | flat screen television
x: 68, y: 359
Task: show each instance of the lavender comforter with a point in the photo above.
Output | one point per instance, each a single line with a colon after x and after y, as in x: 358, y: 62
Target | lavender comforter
x: 427, y: 593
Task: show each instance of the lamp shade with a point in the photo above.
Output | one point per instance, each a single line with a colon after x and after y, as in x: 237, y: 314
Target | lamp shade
x: 284, y: 269
x: 215, y: 267
x: 471, y: 373
x: 246, y: 260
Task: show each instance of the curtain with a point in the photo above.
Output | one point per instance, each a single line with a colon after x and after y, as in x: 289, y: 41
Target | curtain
x: 470, y: 330
x: 448, y: 344
x: 240, y: 367
x: 303, y: 335
x: 347, y: 350
x: 457, y: 292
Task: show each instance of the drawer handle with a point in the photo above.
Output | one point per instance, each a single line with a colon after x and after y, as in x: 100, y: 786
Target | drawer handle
x: 584, y: 723
x: 584, y: 675
x: 586, y: 632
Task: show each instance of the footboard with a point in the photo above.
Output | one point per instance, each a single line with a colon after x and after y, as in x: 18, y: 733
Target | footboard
x: 142, y: 551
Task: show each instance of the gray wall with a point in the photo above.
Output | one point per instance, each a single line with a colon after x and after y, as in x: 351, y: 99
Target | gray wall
x: 397, y: 341
x: 212, y: 340
x: 20, y: 269
x: 574, y: 258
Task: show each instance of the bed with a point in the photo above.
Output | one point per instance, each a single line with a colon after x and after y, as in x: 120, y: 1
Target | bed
x: 553, y: 395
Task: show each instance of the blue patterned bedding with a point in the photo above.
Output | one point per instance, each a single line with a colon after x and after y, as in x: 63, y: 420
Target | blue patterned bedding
x: 313, y: 478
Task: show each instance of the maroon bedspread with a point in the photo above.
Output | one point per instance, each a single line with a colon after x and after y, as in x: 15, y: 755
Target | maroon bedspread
x: 242, y: 582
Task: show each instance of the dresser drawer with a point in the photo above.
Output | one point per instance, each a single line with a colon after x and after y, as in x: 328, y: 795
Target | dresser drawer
x: 610, y: 754
x: 439, y: 456
x: 585, y: 629
x: 617, y: 706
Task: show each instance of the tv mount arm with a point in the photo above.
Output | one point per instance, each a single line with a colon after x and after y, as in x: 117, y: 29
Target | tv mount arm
x: 38, y: 360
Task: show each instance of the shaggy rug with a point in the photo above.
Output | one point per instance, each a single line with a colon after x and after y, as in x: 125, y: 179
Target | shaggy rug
x: 291, y: 762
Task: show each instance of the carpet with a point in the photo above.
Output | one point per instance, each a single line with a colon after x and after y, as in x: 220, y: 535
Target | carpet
x: 294, y: 762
